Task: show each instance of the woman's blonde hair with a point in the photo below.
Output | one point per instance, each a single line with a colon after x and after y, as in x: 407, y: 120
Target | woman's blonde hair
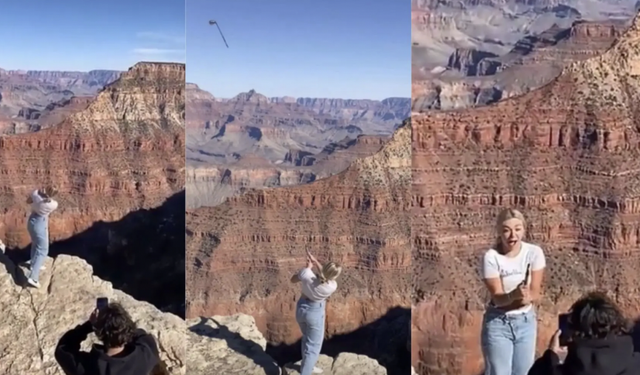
x: 50, y: 191
x: 503, y: 216
x: 330, y: 271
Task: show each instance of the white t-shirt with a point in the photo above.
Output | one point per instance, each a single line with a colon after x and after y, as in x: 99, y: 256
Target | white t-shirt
x: 40, y: 207
x: 313, y: 288
x: 512, y: 270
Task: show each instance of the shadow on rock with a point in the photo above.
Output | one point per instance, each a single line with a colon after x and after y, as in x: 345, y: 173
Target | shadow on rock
x: 19, y: 278
x: 237, y: 343
x: 385, y: 340
x: 141, y: 254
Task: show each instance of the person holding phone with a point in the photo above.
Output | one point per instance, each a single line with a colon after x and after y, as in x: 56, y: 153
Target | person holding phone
x: 42, y: 205
x: 596, y: 341
x: 125, y: 349
x: 310, y: 310
x: 512, y: 271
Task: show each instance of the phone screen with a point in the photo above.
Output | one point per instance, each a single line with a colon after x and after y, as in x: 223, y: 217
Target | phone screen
x: 563, y: 325
x: 102, y: 302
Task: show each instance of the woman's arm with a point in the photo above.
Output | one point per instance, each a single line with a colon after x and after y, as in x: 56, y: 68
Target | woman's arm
x: 296, y: 277
x: 313, y: 260
x: 498, y: 296
x: 491, y: 278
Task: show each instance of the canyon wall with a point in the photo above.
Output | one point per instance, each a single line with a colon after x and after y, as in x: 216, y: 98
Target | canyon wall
x: 242, y: 253
x: 565, y: 154
x: 122, y: 154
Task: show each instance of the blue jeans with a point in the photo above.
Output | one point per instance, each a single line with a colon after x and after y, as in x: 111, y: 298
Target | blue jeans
x: 509, y: 342
x: 38, y: 227
x: 310, y: 317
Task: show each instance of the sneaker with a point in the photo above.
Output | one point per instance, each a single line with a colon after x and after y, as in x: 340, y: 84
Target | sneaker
x: 33, y: 283
x: 28, y: 264
x: 316, y: 370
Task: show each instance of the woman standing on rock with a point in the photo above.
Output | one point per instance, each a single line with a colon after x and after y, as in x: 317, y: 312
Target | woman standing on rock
x: 42, y: 205
x: 512, y: 272
x: 310, y: 311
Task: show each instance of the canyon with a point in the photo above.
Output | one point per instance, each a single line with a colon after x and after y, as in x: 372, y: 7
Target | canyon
x: 252, y: 141
x: 31, y: 100
x: 461, y: 61
x: 241, y: 254
x: 119, y: 167
x: 564, y: 155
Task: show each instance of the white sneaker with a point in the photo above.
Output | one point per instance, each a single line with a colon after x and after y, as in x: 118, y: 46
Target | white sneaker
x: 316, y: 370
x: 3, y: 247
x: 33, y: 283
x: 28, y: 264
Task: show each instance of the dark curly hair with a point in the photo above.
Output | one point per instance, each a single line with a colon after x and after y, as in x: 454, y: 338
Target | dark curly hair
x: 114, y: 326
x: 596, y: 316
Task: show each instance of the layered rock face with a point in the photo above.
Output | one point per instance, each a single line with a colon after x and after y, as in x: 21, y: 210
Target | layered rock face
x: 242, y: 253
x: 34, y: 320
x: 564, y: 154
x: 25, y: 96
x: 533, y: 62
x: 122, y: 154
x: 252, y: 141
x: 239, y: 348
x: 531, y: 42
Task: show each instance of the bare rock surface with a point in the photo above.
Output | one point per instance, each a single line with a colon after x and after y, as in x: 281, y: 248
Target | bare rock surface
x: 33, y: 320
x: 343, y: 364
x: 234, y: 345
x: 565, y: 154
x: 228, y: 345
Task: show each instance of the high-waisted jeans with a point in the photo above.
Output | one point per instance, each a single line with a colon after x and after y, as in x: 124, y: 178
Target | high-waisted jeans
x: 38, y: 227
x: 509, y: 342
x: 310, y: 316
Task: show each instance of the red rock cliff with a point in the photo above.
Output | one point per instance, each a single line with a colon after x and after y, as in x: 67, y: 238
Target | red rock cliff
x: 125, y: 151
x: 241, y: 254
x: 567, y: 156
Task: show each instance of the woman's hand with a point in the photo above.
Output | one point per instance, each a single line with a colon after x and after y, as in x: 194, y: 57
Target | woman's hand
x: 309, y: 263
x: 522, y: 293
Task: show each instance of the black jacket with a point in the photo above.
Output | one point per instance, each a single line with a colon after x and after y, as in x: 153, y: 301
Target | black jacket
x: 138, y: 358
x: 609, y: 356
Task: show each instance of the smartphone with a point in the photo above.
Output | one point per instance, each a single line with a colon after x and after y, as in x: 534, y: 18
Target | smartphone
x: 563, y: 325
x: 102, y: 302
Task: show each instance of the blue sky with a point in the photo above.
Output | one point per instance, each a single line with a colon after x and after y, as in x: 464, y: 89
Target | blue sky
x: 90, y: 34
x: 356, y: 49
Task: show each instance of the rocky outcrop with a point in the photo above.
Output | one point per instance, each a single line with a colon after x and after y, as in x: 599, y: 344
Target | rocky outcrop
x: 234, y: 345
x: 122, y: 154
x: 472, y: 63
x: 242, y: 253
x: 343, y: 364
x: 566, y: 155
x: 33, y: 320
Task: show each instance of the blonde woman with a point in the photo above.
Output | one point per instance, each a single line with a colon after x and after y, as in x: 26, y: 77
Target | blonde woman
x: 42, y: 205
x: 310, y: 311
x: 512, y: 272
